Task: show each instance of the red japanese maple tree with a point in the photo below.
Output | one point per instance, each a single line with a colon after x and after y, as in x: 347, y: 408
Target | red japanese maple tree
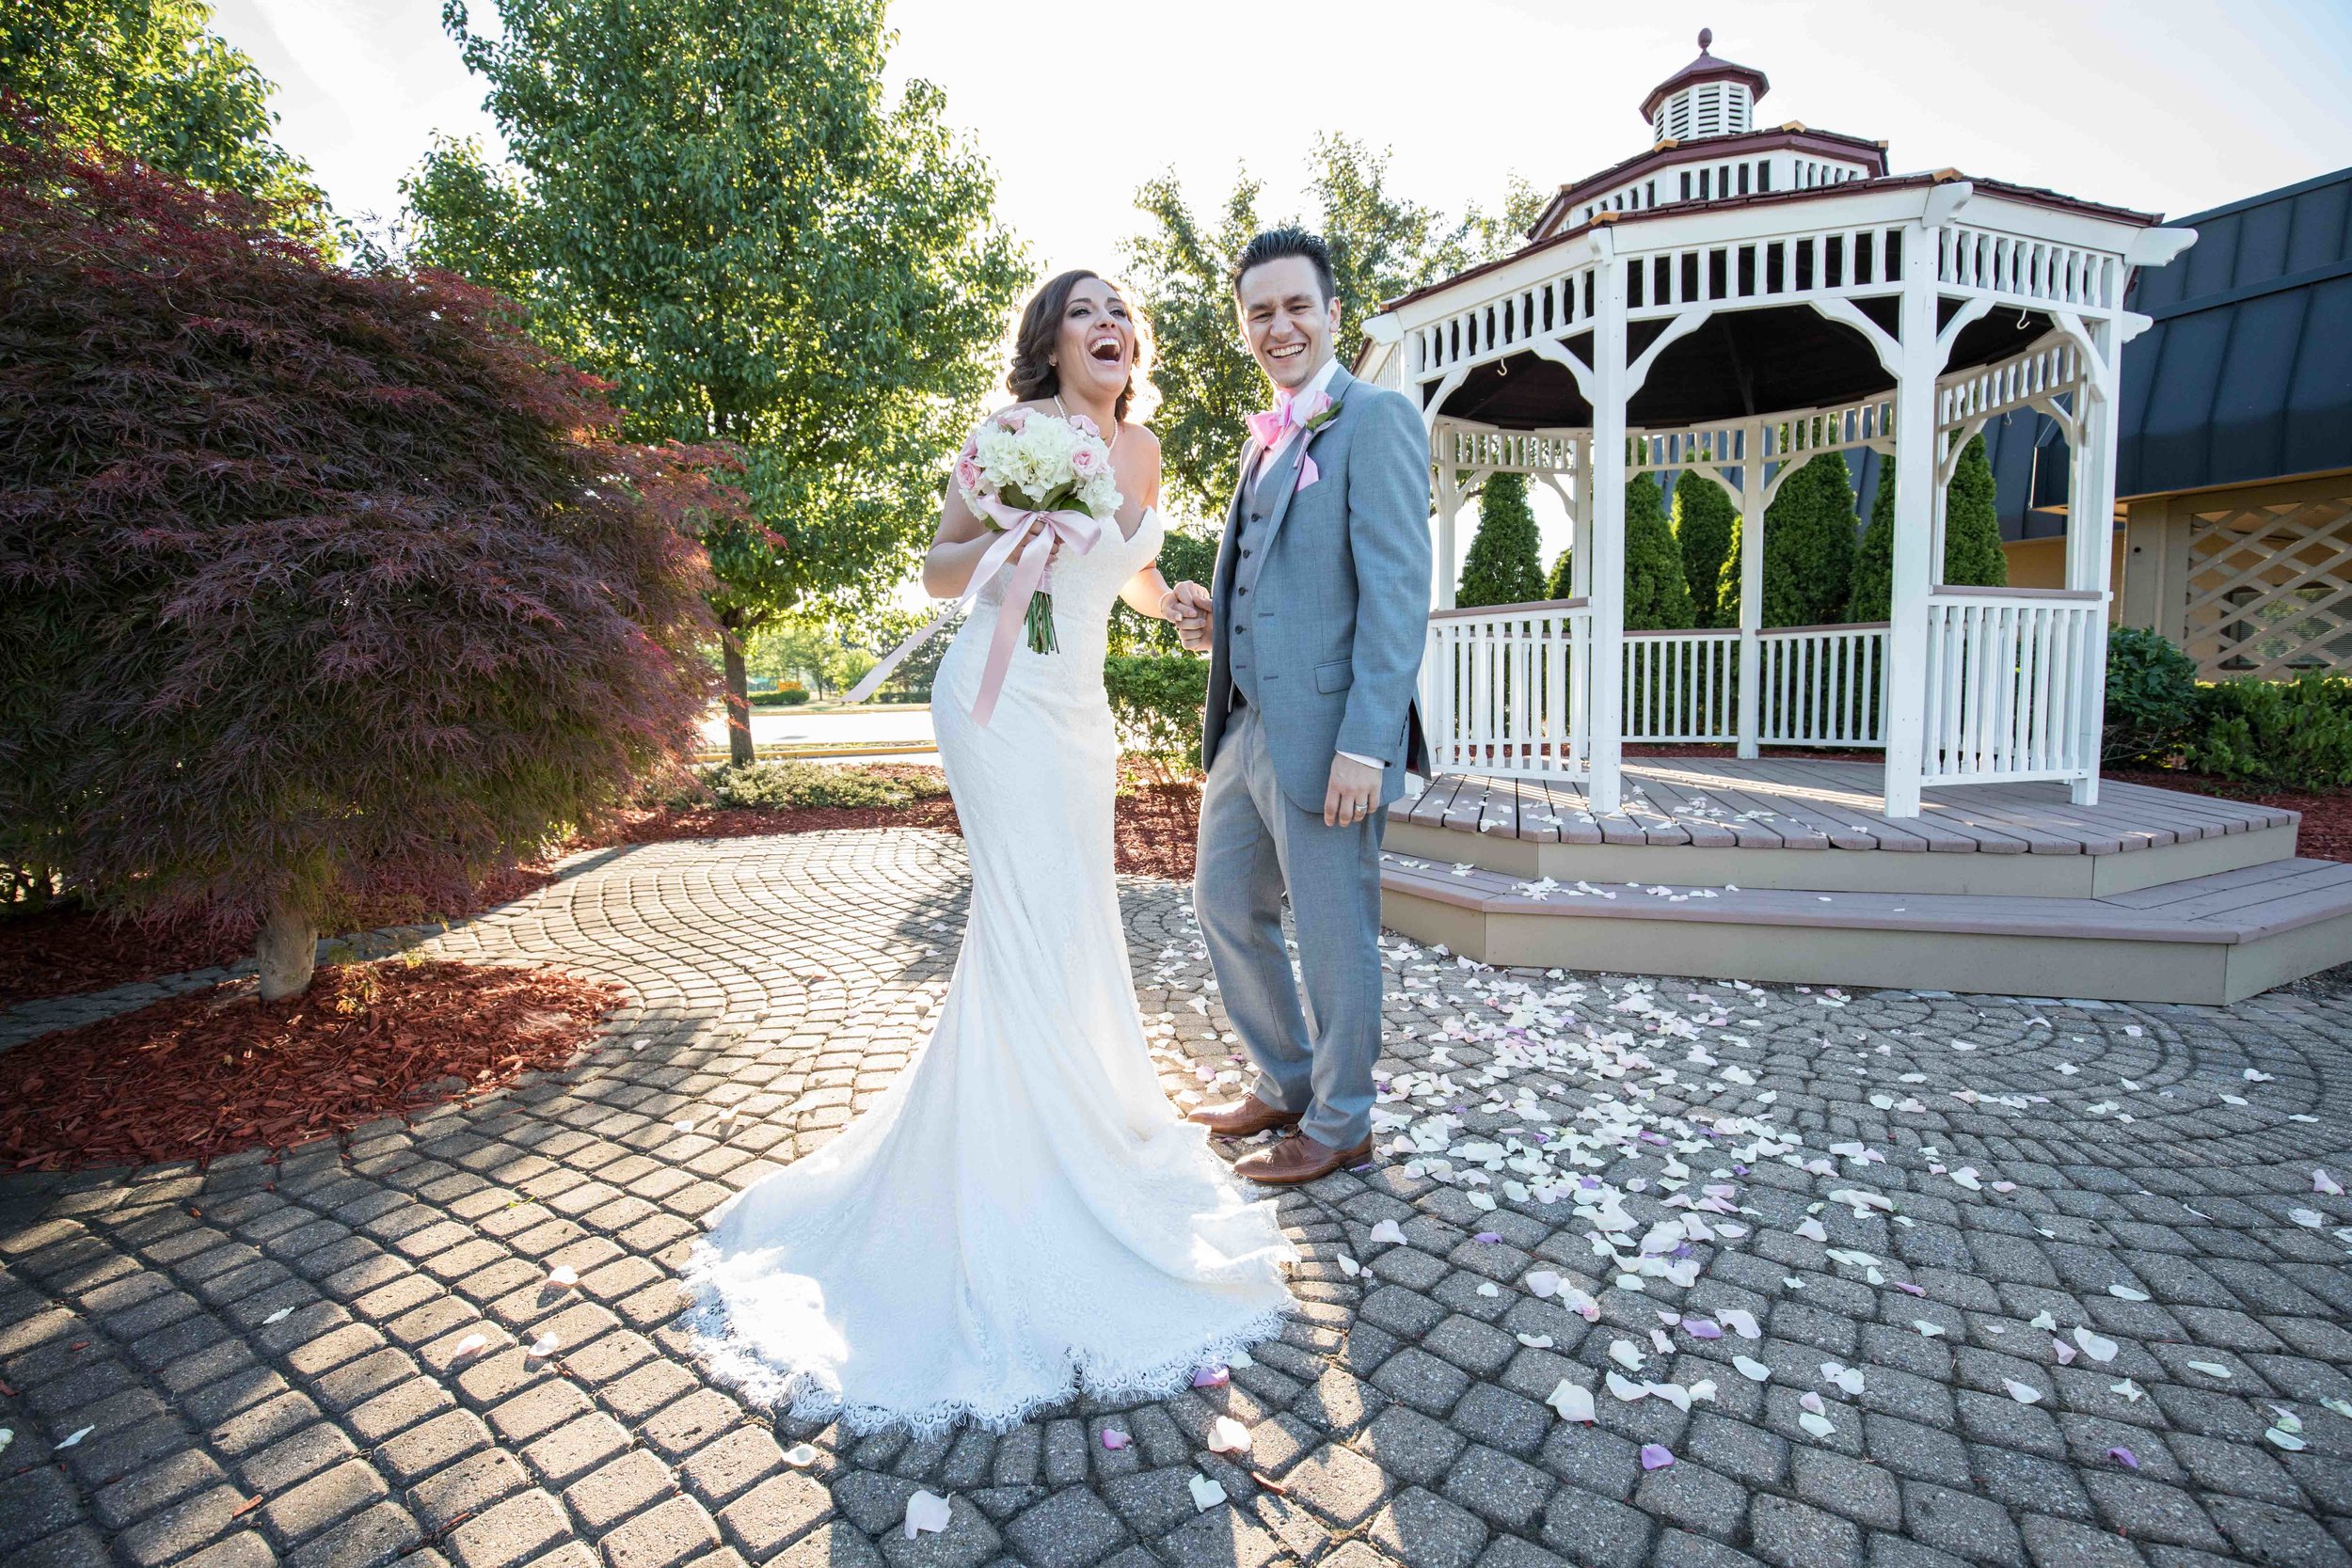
x: 310, y: 581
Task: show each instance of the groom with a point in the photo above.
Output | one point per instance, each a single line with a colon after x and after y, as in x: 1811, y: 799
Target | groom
x: 1314, y: 627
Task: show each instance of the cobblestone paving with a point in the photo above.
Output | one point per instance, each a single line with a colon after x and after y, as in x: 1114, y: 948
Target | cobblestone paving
x: 327, y: 1360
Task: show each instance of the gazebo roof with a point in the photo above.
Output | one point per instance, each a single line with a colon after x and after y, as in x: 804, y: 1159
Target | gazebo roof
x: 1707, y: 68
x: 1667, y: 154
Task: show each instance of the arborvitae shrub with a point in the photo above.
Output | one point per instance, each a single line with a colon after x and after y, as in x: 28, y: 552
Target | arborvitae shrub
x: 1655, y: 598
x: 1704, y: 519
x: 1504, y: 564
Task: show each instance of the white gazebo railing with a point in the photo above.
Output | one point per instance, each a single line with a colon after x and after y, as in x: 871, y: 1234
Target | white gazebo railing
x: 1503, y: 692
x: 1824, y: 686
x: 2007, y: 695
x: 1503, y: 689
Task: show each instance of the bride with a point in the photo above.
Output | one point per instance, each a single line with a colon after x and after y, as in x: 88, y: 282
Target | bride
x: 1020, y: 1214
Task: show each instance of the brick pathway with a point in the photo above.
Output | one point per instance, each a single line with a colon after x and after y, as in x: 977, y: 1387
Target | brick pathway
x: 278, y: 1362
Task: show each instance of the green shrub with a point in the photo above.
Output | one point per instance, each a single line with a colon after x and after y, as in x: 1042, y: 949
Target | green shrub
x: 2153, y: 701
x: 1186, y: 555
x: 2282, y: 734
x: 1504, y: 564
x: 1704, y: 519
x: 1562, y: 584
x: 1972, y: 523
x: 792, y: 694
x: 790, y: 785
x: 1808, y: 549
x: 1873, y: 592
x: 1157, y: 699
x: 1655, y: 598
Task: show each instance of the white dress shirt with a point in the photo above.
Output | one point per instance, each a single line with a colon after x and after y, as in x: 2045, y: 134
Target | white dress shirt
x: 1315, y: 383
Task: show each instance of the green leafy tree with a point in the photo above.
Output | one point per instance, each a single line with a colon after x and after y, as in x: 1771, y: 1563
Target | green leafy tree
x: 1562, y: 584
x: 715, y: 207
x: 150, y: 78
x: 1655, y: 598
x: 1504, y: 564
x: 1704, y: 519
x: 1382, y: 246
x: 1808, y: 549
x: 1972, y: 537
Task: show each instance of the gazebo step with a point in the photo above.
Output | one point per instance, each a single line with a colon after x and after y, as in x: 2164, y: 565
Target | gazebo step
x: 2213, y: 939
x: 1817, y: 827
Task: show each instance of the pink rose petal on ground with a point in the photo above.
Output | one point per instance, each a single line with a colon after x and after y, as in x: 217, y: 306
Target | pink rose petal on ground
x: 1211, y: 1377
x: 2124, y: 1457
x: 1907, y: 1288
x: 1655, y: 1456
x: 1115, y: 1440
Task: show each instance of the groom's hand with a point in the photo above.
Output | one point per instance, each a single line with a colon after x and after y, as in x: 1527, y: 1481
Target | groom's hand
x: 1189, y: 607
x: 1347, y: 798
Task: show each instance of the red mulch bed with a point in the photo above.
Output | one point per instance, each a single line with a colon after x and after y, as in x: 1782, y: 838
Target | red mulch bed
x: 200, y: 1076
x: 1156, y: 823
x: 66, y: 951
x: 2326, y: 834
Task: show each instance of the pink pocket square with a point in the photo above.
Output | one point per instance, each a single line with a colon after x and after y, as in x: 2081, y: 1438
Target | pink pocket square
x: 1308, y: 473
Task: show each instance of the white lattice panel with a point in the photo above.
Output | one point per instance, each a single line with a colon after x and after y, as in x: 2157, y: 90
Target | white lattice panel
x: 2270, y: 589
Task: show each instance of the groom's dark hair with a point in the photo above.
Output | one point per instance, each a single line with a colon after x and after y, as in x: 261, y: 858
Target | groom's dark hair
x: 1275, y: 243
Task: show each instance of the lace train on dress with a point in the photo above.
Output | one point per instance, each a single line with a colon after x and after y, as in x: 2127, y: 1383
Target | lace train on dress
x: 1020, y: 1216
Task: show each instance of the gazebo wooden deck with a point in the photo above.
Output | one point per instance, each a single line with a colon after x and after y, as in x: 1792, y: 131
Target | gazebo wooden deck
x: 1790, y: 869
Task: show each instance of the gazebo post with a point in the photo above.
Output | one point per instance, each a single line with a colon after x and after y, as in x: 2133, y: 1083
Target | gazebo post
x: 2090, y: 538
x: 1606, y: 574
x: 1449, y: 509
x: 1751, y: 589
x: 1919, y: 358
x: 1580, y: 519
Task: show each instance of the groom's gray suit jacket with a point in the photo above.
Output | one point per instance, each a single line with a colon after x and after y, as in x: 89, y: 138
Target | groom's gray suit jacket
x: 1322, y: 598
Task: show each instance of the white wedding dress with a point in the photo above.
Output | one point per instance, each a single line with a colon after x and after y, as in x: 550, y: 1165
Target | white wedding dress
x: 1020, y: 1215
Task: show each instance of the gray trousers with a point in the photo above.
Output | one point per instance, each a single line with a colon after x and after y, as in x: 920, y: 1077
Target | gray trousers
x: 1255, y: 843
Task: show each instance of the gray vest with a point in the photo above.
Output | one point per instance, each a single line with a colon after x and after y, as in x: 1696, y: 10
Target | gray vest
x: 1248, y: 559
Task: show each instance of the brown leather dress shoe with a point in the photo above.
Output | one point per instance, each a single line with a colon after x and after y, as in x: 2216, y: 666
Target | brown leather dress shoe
x: 1298, y: 1158
x: 1246, y: 1117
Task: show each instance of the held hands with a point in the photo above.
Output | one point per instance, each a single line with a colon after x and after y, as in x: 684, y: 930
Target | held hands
x: 1187, y: 604
x: 1347, y: 799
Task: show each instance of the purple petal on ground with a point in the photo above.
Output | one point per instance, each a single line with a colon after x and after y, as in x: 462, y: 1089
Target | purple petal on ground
x: 1703, y: 1328
x: 1907, y: 1288
x: 2124, y: 1457
x: 1738, y: 1170
x: 1655, y: 1456
x: 1211, y: 1377
x: 1489, y: 1237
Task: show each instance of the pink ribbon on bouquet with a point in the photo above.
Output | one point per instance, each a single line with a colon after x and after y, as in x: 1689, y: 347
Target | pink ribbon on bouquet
x: 1077, y: 530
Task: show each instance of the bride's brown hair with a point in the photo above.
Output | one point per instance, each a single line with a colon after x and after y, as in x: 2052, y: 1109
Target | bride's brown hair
x: 1033, y: 377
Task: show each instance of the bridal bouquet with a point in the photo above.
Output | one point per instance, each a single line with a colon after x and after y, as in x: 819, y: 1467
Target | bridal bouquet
x: 1026, y: 471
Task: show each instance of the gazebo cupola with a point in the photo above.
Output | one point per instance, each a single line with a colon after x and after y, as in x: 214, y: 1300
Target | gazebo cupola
x: 1706, y: 147
x: 1707, y: 98
x: 1732, y: 303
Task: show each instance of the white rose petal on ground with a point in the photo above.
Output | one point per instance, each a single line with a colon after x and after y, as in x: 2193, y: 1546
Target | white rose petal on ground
x: 278, y: 1317
x: 2126, y: 1293
x: 563, y: 1277
x: 1817, y: 1424
x: 926, y: 1511
x: 1226, y: 1435
x: 545, y: 1345
x: 1751, y: 1369
x: 78, y: 1435
x: 1573, y: 1402
x: 800, y: 1456
x: 1206, y: 1494
x: 2211, y: 1368
x: 2024, y: 1393
x: 2098, y: 1347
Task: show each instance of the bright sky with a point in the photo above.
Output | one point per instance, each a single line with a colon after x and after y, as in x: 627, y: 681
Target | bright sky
x: 2166, y: 105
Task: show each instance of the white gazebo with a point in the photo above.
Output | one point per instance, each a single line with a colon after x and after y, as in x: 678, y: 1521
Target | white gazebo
x: 1735, y: 300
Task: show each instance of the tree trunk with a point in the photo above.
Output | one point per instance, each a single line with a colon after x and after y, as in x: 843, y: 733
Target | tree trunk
x: 740, y: 749
x: 287, y: 950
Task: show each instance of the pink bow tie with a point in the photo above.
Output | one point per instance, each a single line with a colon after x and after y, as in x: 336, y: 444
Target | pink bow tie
x: 1289, y: 412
